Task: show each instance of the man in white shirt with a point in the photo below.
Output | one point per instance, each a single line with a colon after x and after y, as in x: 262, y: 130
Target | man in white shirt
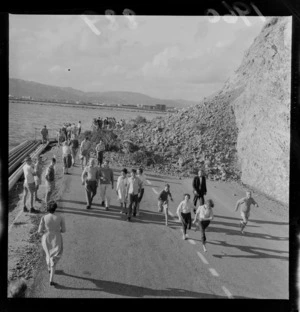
x: 135, y: 185
x: 29, y: 184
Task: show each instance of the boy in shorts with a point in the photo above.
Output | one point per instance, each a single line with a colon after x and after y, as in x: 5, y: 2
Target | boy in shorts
x: 246, y: 202
x: 163, y: 201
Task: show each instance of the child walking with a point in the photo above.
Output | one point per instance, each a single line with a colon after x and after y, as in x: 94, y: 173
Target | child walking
x: 122, y: 190
x: 245, y: 203
x: 203, y: 216
x: 163, y: 201
x: 184, y: 214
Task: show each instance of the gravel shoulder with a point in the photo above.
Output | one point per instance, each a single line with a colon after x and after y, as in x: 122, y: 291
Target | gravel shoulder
x: 24, y: 248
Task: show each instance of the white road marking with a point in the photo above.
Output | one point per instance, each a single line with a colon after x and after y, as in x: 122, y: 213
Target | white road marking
x: 202, y: 257
x: 171, y: 214
x: 227, y: 292
x: 149, y: 182
x: 154, y: 190
x: 192, y: 241
x: 213, y: 272
x: 18, y: 215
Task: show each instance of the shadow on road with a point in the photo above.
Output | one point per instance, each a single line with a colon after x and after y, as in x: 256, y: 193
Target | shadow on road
x: 74, y: 174
x: 126, y: 290
x: 237, y: 224
x: 114, y: 214
x: 228, y: 231
x: 255, y: 252
x: 254, y: 220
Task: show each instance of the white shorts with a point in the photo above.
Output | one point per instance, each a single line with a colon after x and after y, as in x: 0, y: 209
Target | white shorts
x: 245, y: 215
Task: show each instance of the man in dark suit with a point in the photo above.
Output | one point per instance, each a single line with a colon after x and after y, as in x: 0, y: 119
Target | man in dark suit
x: 199, y: 186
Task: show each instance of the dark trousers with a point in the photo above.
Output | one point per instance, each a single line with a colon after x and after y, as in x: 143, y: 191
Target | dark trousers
x: 140, y: 195
x: 133, y: 201
x: 186, y: 220
x: 201, y: 199
x: 90, y: 191
x: 100, y: 157
x: 203, y: 225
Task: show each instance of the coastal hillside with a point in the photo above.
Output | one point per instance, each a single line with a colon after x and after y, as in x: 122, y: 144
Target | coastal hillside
x: 242, y: 131
x: 19, y: 88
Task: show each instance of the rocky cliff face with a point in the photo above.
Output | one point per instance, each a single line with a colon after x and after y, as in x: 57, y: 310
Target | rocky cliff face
x: 241, y: 132
x: 262, y: 111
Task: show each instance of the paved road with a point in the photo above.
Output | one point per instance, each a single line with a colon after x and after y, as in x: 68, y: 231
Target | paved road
x: 107, y: 257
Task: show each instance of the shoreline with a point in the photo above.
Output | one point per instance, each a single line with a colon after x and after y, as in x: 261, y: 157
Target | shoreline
x: 108, y: 107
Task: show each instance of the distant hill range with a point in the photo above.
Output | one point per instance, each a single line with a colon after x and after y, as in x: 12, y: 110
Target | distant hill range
x: 38, y: 91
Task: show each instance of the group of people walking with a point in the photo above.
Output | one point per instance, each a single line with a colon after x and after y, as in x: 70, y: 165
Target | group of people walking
x: 68, y: 130
x: 129, y: 189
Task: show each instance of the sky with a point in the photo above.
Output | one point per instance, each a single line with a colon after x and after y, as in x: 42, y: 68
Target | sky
x: 167, y: 57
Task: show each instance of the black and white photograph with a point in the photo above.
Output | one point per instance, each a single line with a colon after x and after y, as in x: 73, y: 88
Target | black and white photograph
x: 149, y: 156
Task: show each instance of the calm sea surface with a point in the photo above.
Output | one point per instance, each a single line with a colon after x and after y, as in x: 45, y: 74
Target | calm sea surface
x: 24, y: 118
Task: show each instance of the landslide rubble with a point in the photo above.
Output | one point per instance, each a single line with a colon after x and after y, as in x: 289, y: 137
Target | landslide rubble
x: 242, y: 131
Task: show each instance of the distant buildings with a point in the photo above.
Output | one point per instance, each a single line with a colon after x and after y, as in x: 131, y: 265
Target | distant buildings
x: 161, y: 107
x: 129, y: 105
x: 156, y: 107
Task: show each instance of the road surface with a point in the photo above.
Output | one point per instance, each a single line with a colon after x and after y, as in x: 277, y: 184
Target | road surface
x: 107, y: 257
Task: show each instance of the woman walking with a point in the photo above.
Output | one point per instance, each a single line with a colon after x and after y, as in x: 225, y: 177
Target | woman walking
x: 204, y: 215
x: 122, y: 190
x: 51, y: 226
x: 184, y: 214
